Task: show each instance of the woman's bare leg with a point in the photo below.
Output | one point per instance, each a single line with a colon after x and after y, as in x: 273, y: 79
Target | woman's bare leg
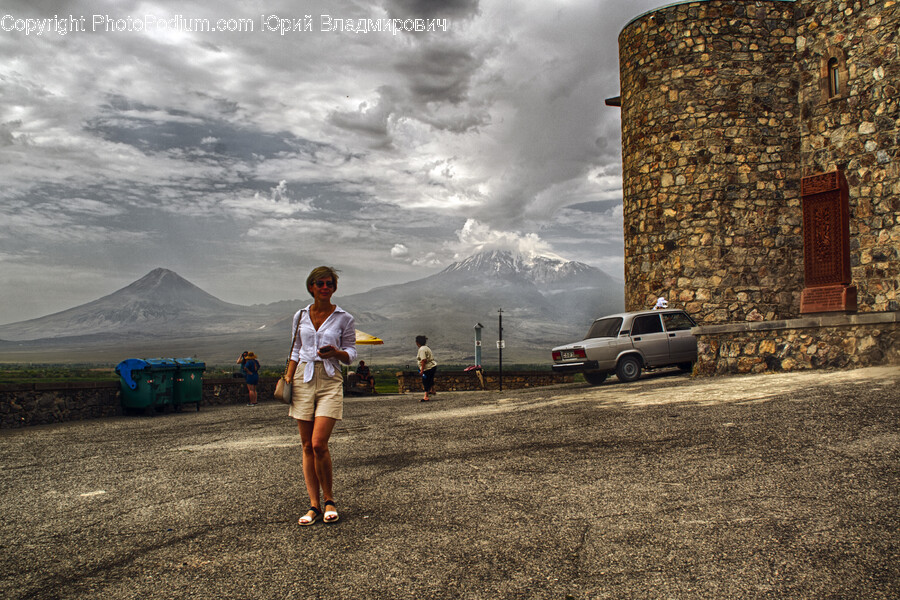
x: 321, y: 433
x: 309, y: 462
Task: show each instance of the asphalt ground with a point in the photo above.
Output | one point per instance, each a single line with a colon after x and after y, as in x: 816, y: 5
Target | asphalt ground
x: 765, y: 486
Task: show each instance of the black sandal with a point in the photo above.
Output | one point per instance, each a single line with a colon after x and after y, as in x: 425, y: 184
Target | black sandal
x: 331, y: 515
x: 306, y: 520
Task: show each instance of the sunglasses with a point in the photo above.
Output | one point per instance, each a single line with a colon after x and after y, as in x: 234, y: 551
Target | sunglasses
x: 329, y: 283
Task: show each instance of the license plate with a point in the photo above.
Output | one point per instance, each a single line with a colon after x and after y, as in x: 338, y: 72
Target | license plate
x: 568, y: 354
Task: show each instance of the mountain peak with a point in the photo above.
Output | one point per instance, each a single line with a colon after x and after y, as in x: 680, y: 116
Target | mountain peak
x: 166, y: 287
x: 538, y: 268
x: 497, y: 261
x: 159, y: 276
x: 160, y: 272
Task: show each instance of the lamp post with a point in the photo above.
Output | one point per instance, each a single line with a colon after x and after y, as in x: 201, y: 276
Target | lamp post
x: 478, y: 328
x: 477, y: 367
x: 500, y: 345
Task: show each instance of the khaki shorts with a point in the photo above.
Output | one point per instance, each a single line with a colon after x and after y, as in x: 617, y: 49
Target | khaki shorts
x: 321, y: 397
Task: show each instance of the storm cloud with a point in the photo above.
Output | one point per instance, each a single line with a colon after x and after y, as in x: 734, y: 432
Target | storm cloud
x: 199, y: 137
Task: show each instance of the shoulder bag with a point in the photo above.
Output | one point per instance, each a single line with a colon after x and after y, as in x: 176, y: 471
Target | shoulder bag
x: 283, y: 388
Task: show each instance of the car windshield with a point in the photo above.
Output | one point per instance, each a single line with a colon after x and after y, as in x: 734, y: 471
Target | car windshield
x: 605, y: 328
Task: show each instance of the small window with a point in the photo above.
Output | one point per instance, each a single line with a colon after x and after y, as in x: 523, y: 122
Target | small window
x: 834, y: 78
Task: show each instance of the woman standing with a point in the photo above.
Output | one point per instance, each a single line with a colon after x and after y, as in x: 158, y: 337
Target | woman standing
x: 241, y: 360
x: 324, y: 337
x: 251, y: 376
x: 427, y: 366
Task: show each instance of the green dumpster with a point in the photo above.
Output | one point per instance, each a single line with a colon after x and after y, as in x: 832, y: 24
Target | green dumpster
x: 188, y: 382
x: 146, y: 383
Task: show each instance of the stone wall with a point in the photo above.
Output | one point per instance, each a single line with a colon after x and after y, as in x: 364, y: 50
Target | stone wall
x: 824, y: 342
x: 458, y: 381
x: 39, y: 403
x: 857, y: 130
x: 710, y: 149
x: 42, y: 403
x: 234, y: 391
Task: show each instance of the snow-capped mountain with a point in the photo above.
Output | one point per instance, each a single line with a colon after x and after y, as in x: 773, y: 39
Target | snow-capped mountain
x: 544, y: 300
x: 501, y: 262
x: 539, y: 269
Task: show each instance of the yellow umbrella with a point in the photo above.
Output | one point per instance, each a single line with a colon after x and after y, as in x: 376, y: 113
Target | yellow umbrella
x: 365, y: 338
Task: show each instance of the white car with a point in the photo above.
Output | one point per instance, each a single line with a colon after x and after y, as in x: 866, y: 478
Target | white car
x: 627, y: 343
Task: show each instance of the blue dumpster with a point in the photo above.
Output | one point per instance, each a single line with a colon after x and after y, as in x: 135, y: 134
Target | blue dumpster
x: 147, y: 384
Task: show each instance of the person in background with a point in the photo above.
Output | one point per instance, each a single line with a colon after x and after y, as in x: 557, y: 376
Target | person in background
x: 362, y: 371
x: 251, y: 375
x: 240, y: 361
x: 661, y: 303
x: 325, y: 338
x: 427, y: 366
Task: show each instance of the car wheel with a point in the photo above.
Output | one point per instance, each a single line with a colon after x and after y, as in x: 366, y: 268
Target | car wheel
x: 595, y: 377
x: 628, y: 369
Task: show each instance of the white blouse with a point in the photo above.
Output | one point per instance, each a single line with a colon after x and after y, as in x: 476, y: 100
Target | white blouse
x: 338, y: 330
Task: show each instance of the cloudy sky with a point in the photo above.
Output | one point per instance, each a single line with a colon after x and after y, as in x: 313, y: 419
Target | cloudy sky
x: 130, y: 139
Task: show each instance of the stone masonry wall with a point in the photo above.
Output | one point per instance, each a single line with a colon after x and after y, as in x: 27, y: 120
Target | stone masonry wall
x: 37, y: 404
x: 710, y: 145
x: 858, y: 130
x: 837, y: 342
x: 458, y: 381
x: 40, y: 403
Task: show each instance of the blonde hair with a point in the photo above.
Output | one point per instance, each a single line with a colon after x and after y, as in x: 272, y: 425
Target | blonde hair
x: 319, y: 273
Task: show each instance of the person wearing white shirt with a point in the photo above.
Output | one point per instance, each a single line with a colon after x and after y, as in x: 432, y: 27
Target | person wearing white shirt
x: 427, y: 366
x: 324, y: 337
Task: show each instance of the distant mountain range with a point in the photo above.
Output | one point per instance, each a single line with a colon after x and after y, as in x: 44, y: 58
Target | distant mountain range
x: 545, y: 301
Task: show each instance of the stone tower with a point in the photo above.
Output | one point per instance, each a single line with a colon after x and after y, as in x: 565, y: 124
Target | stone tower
x: 725, y: 106
x: 711, y: 149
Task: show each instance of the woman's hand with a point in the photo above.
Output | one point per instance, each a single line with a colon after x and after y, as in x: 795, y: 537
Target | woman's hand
x: 289, y: 373
x: 330, y: 352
